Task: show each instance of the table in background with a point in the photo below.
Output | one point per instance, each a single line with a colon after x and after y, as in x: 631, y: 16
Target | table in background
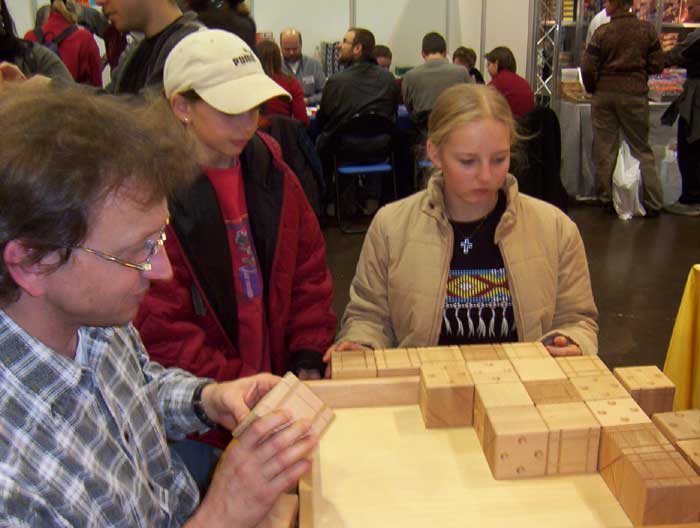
x: 578, y: 169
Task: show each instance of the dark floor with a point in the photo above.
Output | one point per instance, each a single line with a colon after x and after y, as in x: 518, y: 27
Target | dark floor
x: 638, y: 270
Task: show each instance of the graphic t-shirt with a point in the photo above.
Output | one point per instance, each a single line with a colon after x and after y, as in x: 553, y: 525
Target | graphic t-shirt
x: 253, y: 345
x: 478, y: 305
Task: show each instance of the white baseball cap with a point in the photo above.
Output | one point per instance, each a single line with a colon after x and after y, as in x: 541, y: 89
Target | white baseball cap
x: 222, y: 69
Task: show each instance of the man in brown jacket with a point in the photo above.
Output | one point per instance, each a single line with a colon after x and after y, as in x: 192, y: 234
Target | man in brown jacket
x: 616, y: 68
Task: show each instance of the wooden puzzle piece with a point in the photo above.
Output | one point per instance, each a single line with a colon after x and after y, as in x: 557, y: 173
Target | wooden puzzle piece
x: 446, y: 395
x: 538, y: 369
x: 397, y: 362
x: 574, y: 438
x: 525, y: 350
x: 515, y: 442
x: 500, y: 371
x: 491, y: 395
x: 447, y: 354
x: 624, y: 411
x: 659, y: 488
x: 690, y: 449
x: 578, y: 366
x: 292, y: 395
x: 648, y: 386
x: 601, y: 387
x: 351, y: 364
x: 488, y: 352
x: 552, y: 391
x: 677, y: 426
x: 618, y: 440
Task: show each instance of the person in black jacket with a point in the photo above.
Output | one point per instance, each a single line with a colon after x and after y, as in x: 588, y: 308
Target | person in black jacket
x: 363, y: 86
x: 233, y: 16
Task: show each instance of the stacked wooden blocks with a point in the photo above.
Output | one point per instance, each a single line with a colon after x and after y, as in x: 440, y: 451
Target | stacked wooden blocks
x: 350, y: 364
x: 293, y: 396
x: 446, y: 395
x: 535, y: 416
x: 650, y: 479
x: 649, y: 387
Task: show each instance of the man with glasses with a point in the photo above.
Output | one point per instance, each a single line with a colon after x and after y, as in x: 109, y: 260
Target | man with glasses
x: 84, y: 414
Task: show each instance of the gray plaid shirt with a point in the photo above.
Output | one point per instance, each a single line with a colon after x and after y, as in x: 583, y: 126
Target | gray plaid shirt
x: 83, y: 443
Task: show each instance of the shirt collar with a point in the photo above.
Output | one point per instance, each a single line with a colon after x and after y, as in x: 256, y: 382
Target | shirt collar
x: 40, y: 369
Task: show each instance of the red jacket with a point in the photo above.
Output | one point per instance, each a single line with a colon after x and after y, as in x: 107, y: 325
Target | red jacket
x: 79, y: 51
x: 516, y: 90
x: 282, y: 106
x: 191, y: 321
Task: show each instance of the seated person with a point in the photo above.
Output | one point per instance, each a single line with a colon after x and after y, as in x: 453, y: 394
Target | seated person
x: 470, y: 260
x: 423, y: 85
x: 85, y: 413
x: 467, y: 57
x: 271, y: 59
x: 251, y: 291
x: 307, y: 70
x: 20, y: 59
x: 382, y: 54
x: 500, y: 63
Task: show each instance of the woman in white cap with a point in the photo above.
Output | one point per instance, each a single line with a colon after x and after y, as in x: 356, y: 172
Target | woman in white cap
x: 251, y: 290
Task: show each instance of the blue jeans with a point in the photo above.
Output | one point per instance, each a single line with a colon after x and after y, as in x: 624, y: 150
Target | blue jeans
x: 200, y: 460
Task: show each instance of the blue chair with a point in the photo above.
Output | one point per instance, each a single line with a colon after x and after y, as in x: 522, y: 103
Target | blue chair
x: 364, y: 149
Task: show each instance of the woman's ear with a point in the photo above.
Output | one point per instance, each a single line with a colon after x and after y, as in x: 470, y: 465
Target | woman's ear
x: 433, y: 153
x: 181, y: 107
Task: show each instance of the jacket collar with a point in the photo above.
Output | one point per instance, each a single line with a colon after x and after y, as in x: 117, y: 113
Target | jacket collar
x: 433, y: 203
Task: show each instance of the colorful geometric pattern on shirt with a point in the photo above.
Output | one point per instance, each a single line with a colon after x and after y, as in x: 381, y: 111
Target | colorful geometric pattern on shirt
x: 84, y: 444
x: 479, y: 306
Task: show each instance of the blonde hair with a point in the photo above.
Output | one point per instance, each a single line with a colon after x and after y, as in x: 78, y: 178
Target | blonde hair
x: 464, y: 103
x: 66, y: 11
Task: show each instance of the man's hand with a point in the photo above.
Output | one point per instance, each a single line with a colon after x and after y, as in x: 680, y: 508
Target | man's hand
x: 562, y: 346
x: 11, y: 73
x: 343, y: 345
x: 229, y: 402
x: 269, y: 458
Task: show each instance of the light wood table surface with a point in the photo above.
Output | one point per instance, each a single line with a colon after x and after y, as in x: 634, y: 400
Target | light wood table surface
x: 381, y: 467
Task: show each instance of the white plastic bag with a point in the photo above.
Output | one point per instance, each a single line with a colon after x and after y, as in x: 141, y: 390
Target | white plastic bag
x: 626, y: 183
x: 669, y: 174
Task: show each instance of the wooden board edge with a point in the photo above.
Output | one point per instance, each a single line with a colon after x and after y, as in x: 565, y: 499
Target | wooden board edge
x: 368, y: 392
x: 309, y: 489
x: 283, y: 513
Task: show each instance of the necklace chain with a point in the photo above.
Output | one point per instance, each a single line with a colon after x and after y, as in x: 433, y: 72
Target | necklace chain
x: 466, y: 242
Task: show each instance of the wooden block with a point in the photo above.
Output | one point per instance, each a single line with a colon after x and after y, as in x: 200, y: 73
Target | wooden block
x: 447, y: 354
x: 578, y: 366
x: 446, y: 395
x: 367, y: 392
x: 500, y: 371
x: 525, y: 350
x: 352, y: 364
x: 690, y: 449
x: 619, y: 441
x: 677, y: 426
x: 624, y: 411
x: 291, y: 395
x: 488, y: 352
x: 602, y: 387
x: 492, y: 395
x: 397, y: 362
x: 649, y: 387
x: 538, y: 369
x: 574, y: 438
x: 283, y: 513
x: 515, y: 442
x: 658, y: 488
x: 552, y: 391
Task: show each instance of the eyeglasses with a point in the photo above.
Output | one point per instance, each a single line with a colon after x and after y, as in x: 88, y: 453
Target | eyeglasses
x: 151, y: 247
